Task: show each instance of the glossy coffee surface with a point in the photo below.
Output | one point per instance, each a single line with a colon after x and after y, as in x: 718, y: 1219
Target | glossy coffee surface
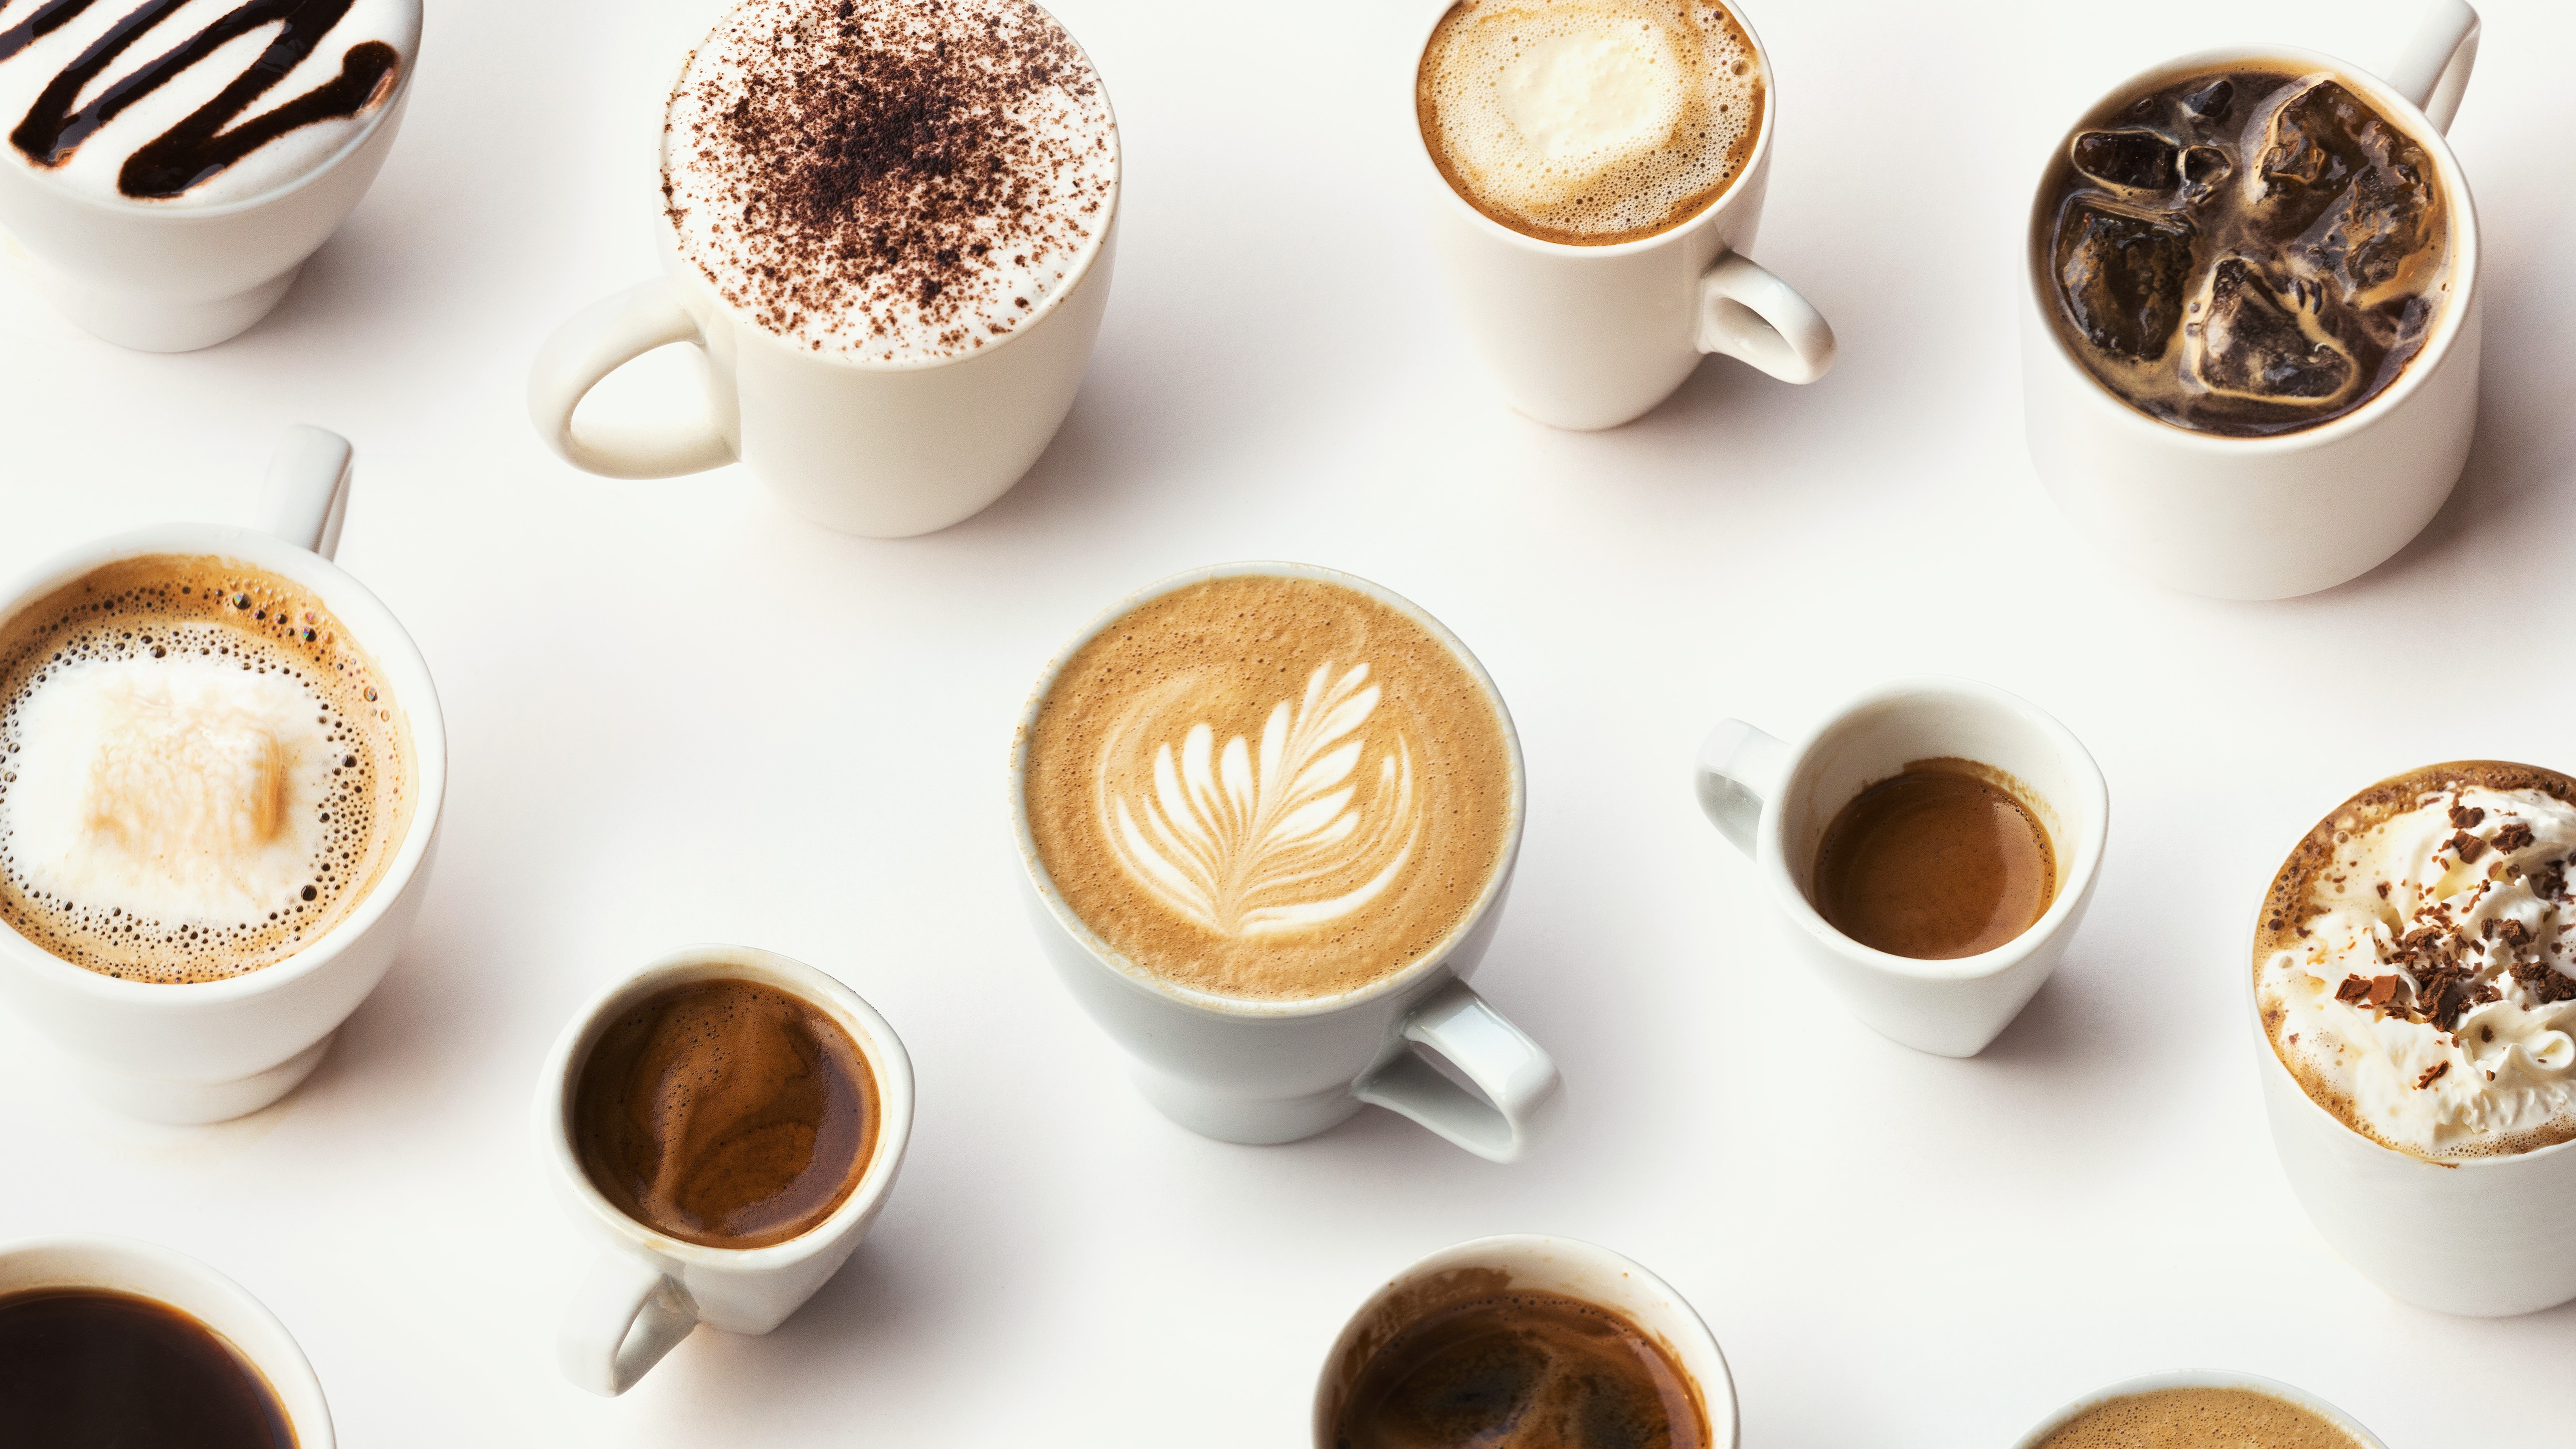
x: 85, y: 1368
x: 727, y: 1113
x: 1939, y: 861
x: 2198, y: 1419
x: 1521, y: 1370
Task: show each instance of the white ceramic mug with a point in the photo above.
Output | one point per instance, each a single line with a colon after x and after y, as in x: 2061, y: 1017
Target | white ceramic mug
x: 2272, y: 517
x: 881, y: 449
x: 649, y: 1290
x: 159, y: 276
x: 205, y: 1051
x: 1774, y: 800
x: 147, y: 1270
x: 1530, y: 1263
x: 1591, y: 337
x: 1275, y: 1071
x: 2199, y: 1379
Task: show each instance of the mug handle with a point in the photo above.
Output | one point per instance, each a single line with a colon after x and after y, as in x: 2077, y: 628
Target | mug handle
x: 1746, y: 312
x: 2434, y: 68
x: 625, y: 1316
x: 306, y: 497
x: 1740, y: 766
x: 597, y: 341
x: 1514, y: 1073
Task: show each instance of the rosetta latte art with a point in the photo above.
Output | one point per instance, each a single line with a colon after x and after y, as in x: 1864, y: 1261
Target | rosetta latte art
x: 1247, y: 844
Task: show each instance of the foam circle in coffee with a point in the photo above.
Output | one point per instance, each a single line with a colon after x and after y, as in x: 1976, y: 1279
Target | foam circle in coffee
x: 2198, y: 1418
x: 1942, y: 860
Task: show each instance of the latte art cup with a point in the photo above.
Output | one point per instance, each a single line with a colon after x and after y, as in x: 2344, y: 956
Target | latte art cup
x: 204, y: 1051
x: 2199, y: 1379
x: 1772, y: 800
x: 1267, y: 1071
x: 2272, y: 517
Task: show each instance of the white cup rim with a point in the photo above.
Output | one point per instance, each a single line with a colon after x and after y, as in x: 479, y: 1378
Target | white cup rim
x: 378, y: 633
x: 2466, y: 253
x: 1432, y: 960
x: 2200, y: 1379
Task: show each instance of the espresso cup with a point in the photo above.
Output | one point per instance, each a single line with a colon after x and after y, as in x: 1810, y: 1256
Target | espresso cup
x: 2289, y: 514
x: 204, y: 1051
x: 1773, y: 801
x: 1531, y: 1263
x: 1589, y: 337
x: 147, y: 1270
x: 648, y: 1290
x: 2198, y: 1379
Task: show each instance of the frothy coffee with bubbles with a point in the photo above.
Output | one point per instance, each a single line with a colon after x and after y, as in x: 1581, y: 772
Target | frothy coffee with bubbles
x: 200, y: 770
x: 1269, y: 787
x: 1590, y: 121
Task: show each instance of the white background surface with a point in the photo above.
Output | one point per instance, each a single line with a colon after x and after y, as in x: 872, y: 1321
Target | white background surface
x: 677, y: 713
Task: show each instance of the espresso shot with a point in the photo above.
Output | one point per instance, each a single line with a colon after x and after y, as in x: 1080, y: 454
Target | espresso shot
x: 1942, y: 860
x: 1521, y: 1370
x: 91, y: 1368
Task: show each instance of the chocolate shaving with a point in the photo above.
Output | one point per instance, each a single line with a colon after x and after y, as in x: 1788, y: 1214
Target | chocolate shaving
x: 2466, y: 817
x: 2466, y: 846
x: 2431, y: 1075
x: 2515, y: 836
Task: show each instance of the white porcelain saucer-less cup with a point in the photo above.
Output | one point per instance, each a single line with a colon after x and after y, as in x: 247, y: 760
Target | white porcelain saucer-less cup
x: 2199, y: 1379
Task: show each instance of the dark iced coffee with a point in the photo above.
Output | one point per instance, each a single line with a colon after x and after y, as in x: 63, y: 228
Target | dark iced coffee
x: 2250, y: 250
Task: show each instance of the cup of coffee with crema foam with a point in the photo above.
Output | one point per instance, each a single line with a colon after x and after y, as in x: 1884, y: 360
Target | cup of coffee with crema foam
x: 2414, y: 982
x: 2250, y: 345
x: 1594, y: 172
x: 1269, y: 813
x: 114, y: 1342
x: 724, y: 1124
x: 2199, y: 1409
x: 1929, y: 850
x: 168, y: 167
x: 889, y: 225
x: 1525, y: 1342
x: 221, y: 767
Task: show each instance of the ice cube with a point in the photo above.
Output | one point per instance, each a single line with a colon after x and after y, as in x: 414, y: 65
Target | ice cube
x: 2350, y: 196
x: 2133, y: 160
x: 2122, y: 276
x: 2213, y: 101
x: 2255, y: 338
x: 2203, y: 168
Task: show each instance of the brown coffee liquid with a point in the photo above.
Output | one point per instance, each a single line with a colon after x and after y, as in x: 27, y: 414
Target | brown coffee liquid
x: 1521, y: 1371
x: 2198, y: 1419
x: 727, y: 1113
x: 1938, y: 862
x: 86, y: 1368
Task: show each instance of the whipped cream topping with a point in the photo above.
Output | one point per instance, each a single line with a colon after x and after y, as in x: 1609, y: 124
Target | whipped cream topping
x: 2427, y: 995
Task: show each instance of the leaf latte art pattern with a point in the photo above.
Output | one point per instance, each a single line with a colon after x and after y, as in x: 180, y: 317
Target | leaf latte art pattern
x: 1243, y: 844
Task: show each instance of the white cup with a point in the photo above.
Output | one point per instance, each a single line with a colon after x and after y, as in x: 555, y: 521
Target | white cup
x: 1774, y: 800
x: 147, y: 1270
x: 1590, y: 337
x: 880, y: 449
x: 1265, y: 1072
x: 2272, y: 517
x: 205, y: 1051
x: 1531, y: 1263
x: 2199, y: 1379
x: 160, y: 277
x: 649, y: 1290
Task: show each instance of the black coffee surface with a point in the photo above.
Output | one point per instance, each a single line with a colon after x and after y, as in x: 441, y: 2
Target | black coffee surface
x: 2247, y: 251
x: 1937, y: 862
x: 1521, y: 1371
x: 83, y: 1368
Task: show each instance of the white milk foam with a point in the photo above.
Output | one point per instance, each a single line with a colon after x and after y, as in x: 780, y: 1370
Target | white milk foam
x: 1590, y: 120
x: 93, y: 167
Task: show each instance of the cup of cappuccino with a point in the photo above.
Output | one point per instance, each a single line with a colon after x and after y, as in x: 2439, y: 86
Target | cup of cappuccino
x: 1929, y: 849
x: 1593, y: 172
x: 221, y: 766
x: 1269, y: 814
x: 2250, y: 341
x: 889, y: 227
x: 2414, y: 984
x: 2199, y: 1409
x: 164, y: 182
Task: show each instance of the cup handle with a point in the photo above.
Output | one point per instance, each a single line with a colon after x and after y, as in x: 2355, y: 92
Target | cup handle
x: 625, y: 1316
x: 1746, y: 312
x: 2434, y: 68
x: 306, y: 497
x: 1515, y: 1074
x: 598, y: 340
x: 1740, y: 766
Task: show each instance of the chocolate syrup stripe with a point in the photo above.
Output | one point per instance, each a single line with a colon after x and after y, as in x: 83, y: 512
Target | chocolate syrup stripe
x: 199, y: 146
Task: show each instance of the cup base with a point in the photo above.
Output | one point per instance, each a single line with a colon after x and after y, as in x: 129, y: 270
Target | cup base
x: 1254, y: 1123
x: 194, y: 1104
x: 151, y: 324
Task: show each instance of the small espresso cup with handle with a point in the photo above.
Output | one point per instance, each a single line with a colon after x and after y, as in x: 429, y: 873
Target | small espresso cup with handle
x: 1264, y: 1071
x: 648, y: 1290
x: 1774, y: 799
x: 205, y: 1051
x: 1590, y: 337
x: 2198, y: 1379
x: 2288, y: 514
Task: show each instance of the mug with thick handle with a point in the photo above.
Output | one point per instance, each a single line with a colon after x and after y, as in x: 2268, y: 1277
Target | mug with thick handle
x: 649, y: 1290
x: 1773, y: 800
x: 1259, y: 1071
x: 1589, y: 337
x: 2273, y: 517
x: 204, y: 1051
x: 2199, y: 1379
